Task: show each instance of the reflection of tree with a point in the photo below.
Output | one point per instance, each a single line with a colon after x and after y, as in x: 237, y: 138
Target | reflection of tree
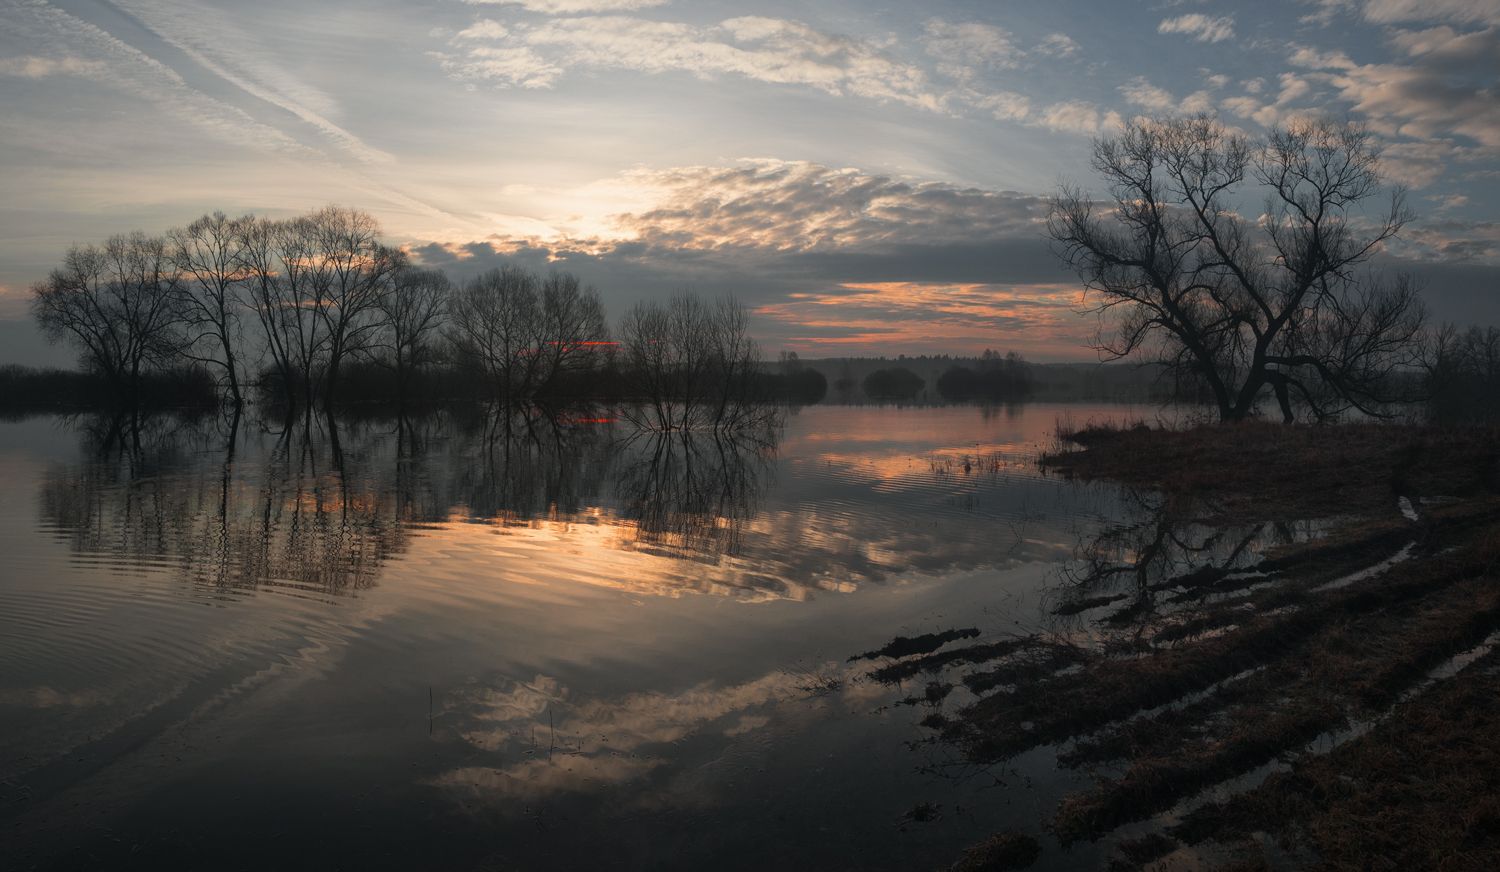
x: 1161, y: 558
x: 300, y: 518
x: 525, y: 462
x: 694, y: 491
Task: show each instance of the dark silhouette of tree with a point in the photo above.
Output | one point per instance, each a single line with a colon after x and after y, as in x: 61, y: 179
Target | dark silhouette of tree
x: 1463, y: 375
x: 998, y: 379
x: 692, y: 363
x: 209, y: 256
x: 896, y: 383
x: 352, y: 272
x: 117, y: 304
x: 413, y: 316
x: 1243, y: 305
x: 278, y: 258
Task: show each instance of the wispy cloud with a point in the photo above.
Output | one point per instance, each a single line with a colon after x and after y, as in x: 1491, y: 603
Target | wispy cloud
x: 1407, y: 11
x: 772, y: 50
x: 211, y: 40
x: 34, y: 67
x: 1203, y: 28
x: 572, y: 7
x: 57, y: 36
x: 1058, y: 45
x: 964, y: 48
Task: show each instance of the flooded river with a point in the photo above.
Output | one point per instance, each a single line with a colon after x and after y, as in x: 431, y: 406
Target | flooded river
x: 516, y: 644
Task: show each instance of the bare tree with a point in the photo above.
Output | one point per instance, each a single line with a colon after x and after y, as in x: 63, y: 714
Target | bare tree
x: 495, y: 327
x: 1242, y: 305
x: 413, y: 314
x: 1463, y: 374
x: 694, y: 364
x: 278, y: 258
x: 116, y: 303
x: 351, y: 273
x: 574, y: 329
x: 209, y: 256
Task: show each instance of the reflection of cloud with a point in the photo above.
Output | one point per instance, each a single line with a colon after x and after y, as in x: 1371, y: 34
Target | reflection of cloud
x: 568, y: 745
x: 44, y: 697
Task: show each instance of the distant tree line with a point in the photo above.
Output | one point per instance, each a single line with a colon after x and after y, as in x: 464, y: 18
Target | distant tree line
x: 1463, y: 377
x: 307, y: 307
x: 996, y: 379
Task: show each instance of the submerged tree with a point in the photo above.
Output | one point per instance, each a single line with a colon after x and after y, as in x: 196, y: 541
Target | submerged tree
x: 413, y: 315
x: 318, y: 284
x: 116, y: 303
x: 692, y: 363
x: 209, y: 256
x: 351, y: 274
x: 526, y: 333
x: 1241, y: 305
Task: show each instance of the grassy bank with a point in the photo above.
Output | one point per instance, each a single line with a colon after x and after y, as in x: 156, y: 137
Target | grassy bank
x: 1279, y: 659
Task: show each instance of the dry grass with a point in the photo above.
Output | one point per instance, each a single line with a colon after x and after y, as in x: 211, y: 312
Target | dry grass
x: 1259, y: 470
x: 1207, y: 673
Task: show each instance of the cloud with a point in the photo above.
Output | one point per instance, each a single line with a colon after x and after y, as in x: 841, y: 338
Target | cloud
x: 56, y: 36
x: 1140, y: 92
x: 573, y: 7
x: 1003, y: 105
x: 1450, y: 241
x: 1424, y: 100
x: 239, y: 58
x: 1057, y: 45
x: 485, y: 28
x: 1268, y: 112
x: 1079, y: 116
x: 767, y: 230
x: 964, y: 49
x: 1202, y: 28
x: 917, y: 315
x: 1408, y: 11
x: 1456, y: 11
x: 34, y: 67
x: 771, y: 50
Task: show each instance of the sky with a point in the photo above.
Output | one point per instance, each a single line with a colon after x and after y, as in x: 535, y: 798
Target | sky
x: 869, y: 176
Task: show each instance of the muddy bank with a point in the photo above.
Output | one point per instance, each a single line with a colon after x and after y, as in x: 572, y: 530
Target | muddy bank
x: 1278, y: 661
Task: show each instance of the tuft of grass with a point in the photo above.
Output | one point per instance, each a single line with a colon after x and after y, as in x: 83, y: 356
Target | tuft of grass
x: 999, y: 853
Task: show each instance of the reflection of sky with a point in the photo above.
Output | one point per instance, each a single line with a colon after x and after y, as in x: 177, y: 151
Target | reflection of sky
x: 868, y: 177
x: 547, y: 629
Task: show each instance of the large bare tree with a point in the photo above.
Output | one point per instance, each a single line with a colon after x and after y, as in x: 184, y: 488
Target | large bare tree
x: 693, y: 364
x: 279, y: 260
x: 496, y: 327
x: 209, y: 256
x: 116, y: 303
x: 1243, y: 302
x: 351, y: 271
x: 412, y: 316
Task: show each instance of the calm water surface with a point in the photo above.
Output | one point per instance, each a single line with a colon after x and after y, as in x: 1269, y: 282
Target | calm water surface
x: 523, y: 645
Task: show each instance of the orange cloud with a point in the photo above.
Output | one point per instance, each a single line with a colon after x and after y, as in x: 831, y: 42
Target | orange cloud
x: 1042, y: 320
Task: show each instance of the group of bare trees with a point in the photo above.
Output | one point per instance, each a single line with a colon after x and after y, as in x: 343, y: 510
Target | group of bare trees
x: 1240, y: 296
x: 525, y: 332
x: 692, y: 363
x: 317, y: 285
x: 1464, y: 375
x: 295, y: 303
